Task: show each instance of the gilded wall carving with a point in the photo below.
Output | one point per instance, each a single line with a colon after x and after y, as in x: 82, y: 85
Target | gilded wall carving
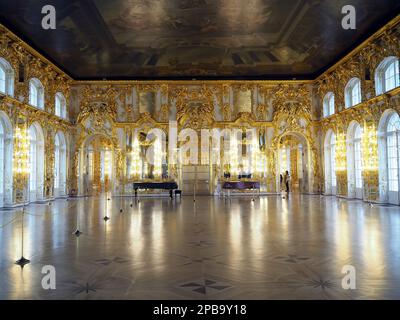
x: 112, y: 110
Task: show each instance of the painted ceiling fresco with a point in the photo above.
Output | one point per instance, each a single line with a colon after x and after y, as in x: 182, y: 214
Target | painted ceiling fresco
x: 136, y: 39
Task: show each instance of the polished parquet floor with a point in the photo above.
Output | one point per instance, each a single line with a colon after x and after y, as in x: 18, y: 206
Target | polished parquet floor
x: 272, y: 248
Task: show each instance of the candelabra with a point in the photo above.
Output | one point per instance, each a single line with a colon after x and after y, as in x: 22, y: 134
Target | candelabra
x: 136, y: 161
x: 21, y: 173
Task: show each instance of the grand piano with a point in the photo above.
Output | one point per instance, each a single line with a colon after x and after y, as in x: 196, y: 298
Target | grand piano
x: 167, y: 185
x: 241, y: 185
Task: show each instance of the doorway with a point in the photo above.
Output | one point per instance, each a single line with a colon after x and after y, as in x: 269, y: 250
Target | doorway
x: 97, y: 166
x: 293, y: 157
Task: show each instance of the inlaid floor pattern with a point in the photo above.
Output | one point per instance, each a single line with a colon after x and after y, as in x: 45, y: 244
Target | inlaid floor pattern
x: 272, y: 248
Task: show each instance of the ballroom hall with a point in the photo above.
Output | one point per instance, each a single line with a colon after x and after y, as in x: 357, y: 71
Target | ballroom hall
x: 199, y: 150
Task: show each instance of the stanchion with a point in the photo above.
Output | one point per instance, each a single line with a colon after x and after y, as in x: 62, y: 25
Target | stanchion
x: 22, y: 261
x: 106, y: 218
x: 77, y: 232
x: 195, y: 183
x: 120, y: 200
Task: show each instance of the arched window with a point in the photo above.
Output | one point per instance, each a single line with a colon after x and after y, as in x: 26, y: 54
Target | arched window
x: 354, y: 161
x: 6, y: 78
x: 392, y: 138
x: 2, y: 79
x: 5, y: 160
x: 36, y: 93
x: 2, y: 138
x: 353, y: 93
x: 60, y: 165
x: 387, y: 75
x: 330, y: 163
x: 389, y: 157
x: 36, y: 162
x: 60, y: 106
x: 329, y: 104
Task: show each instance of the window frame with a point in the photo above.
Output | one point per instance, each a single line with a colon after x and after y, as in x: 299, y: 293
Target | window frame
x: 38, y: 100
x: 8, y: 81
x: 60, y: 108
x: 329, y: 104
x: 381, y: 82
x: 352, y: 99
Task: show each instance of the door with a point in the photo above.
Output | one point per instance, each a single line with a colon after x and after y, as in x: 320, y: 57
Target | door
x: 195, y: 179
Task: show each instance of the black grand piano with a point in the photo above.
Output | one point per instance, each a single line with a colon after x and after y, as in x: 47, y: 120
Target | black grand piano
x: 171, y: 185
x: 241, y: 185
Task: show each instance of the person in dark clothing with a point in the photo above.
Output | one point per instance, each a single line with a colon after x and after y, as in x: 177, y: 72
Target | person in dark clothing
x: 286, y: 179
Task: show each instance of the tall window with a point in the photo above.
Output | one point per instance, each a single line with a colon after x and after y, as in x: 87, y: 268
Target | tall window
x: 354, y: 161
x: 393, y: 147
x: 60, y: 105
x: 387, y: 75
x: 59, y: 164
x: 330, y: 163
x: 329, y: 104
x: 6, y: 155
x: 2, y: 157
x: 353, y: 93
x: 2, y: 80
x: 36, y: 93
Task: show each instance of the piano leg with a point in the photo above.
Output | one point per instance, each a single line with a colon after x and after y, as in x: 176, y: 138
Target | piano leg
x: 170, y: 194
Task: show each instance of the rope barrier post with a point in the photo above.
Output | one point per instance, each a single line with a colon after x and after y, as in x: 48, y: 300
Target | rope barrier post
x: 120, y: 199
x: 22, y: 261
x: 77, y: 232
x: 106, y: 218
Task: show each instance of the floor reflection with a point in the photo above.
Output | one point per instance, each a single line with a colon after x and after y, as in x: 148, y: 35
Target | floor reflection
x: 272, y: 248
